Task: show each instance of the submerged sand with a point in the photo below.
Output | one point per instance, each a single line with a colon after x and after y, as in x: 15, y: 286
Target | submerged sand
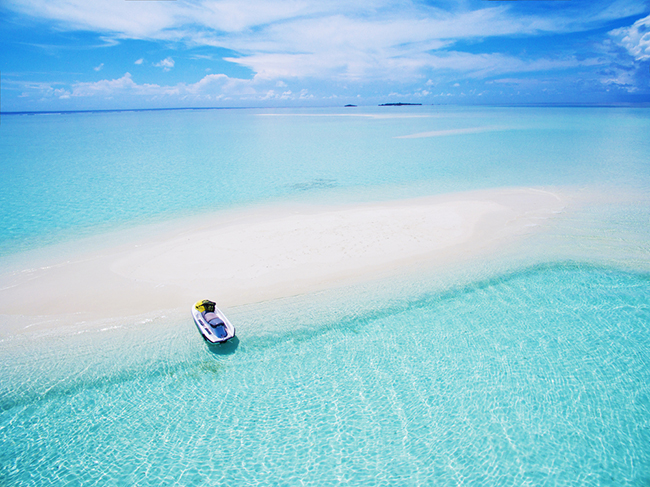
x: 261, y: 254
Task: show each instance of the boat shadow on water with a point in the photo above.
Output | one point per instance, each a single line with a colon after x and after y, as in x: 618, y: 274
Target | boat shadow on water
x: 226, y: 348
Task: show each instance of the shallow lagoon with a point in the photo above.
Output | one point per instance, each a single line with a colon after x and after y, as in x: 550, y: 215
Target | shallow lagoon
x: 529, y: 369
x: 507, y: 381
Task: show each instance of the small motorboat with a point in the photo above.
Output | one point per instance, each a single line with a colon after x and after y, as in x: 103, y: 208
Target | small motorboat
x: 211, y: 322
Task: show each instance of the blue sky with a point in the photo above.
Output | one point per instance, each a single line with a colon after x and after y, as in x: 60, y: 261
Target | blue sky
x: 120, y: 54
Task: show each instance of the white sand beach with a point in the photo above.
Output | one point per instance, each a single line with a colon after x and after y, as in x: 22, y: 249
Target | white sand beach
x: 261, y: 254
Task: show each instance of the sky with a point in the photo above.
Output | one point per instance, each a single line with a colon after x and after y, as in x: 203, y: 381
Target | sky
x: 130, y: 54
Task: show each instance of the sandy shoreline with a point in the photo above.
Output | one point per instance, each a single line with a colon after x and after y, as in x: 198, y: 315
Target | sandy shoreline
x: 263, y: 255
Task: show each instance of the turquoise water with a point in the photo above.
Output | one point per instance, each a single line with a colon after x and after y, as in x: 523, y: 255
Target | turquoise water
x: 512, y: 381
x: 67, y: 175
x: 537, y: 374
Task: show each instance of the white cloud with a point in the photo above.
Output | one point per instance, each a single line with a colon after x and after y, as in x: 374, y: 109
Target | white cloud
x: 62, y: 94
x: 404, y: 68
x: 127, y: 19
x: 235, y: 16
x: 211, y: 87
x: 190, y: 19
x: 299, y: 41
x: 166, y: 64
x: 621, y: 78
x: 124, y: 86
x: 105, y: 87
x: 42, y: 89
x: 98, y: 68
x: 387, y: 39
x: 635, y: 39
x: 220, y: 84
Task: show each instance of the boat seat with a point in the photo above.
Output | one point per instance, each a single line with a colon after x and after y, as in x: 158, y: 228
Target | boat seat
x: 209, y: 316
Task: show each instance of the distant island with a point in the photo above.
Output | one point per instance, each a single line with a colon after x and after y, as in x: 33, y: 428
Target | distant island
x: 398, y: 104
x: 346, y: 106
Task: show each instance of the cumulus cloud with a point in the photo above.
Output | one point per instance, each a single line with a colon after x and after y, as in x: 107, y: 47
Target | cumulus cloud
x: 139, y: 61
x: 106, y: 87
x: 210, y: 87
x: 98, y: 68
x: 166, y: 64
x: 62, y: 93
x: 635, y: 39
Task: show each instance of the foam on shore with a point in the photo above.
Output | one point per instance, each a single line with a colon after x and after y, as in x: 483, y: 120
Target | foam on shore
x: 263, y: 254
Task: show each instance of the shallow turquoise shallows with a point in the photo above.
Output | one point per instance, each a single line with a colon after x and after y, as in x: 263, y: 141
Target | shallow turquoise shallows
x: 540, y: 377
x: 526, y: 369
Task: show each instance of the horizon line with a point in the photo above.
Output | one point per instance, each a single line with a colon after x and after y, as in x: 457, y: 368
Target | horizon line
x: 495, y: 105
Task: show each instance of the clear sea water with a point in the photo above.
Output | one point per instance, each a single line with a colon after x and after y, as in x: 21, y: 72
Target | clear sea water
x: 533, y: 370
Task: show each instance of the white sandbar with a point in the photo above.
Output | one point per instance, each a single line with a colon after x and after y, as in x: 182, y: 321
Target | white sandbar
x: 261, y: 254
